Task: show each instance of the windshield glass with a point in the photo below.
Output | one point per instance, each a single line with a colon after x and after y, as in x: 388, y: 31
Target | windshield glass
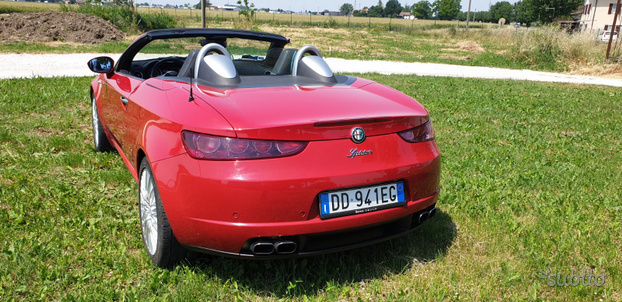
x: 243, y: 49
x: 166, y: 57
x: 240, y: 49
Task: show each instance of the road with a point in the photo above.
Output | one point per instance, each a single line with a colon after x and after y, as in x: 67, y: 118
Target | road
x: 57, y: 65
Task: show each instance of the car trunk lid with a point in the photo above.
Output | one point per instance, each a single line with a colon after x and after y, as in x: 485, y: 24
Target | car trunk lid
x: 315, y: 113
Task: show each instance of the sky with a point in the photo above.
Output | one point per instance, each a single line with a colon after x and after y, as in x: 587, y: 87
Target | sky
x: 332, y: 5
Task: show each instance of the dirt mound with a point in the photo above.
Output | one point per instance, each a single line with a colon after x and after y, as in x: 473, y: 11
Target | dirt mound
x: 470, y: 46
x: 56, y: 26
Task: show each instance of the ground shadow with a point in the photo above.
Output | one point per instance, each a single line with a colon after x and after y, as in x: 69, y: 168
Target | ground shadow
x: 306, y: 276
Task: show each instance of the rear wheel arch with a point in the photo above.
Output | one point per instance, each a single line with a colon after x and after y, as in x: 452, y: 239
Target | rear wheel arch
x: 140, y: 154
x: 158, y: 237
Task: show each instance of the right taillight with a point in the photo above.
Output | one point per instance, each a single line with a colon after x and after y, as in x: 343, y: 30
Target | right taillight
x: 418, y: 134
x: 203, y: 146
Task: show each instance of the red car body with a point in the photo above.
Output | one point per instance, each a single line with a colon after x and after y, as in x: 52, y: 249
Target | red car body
x: 236, y: 206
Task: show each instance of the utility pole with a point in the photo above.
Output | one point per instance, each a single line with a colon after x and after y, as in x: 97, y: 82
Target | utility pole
x: 468, y: 15
x: 613, y: 28
x: 203, y: 13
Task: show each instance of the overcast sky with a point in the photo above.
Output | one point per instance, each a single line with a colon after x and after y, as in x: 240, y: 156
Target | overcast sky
x: 315, y: 5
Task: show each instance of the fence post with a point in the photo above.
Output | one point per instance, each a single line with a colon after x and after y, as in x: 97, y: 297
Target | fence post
x: 613, y: 29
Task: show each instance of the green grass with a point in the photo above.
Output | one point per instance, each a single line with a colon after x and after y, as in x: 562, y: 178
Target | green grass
x: 8, y: 7
x: 54, y: 47
x: 531, y: 178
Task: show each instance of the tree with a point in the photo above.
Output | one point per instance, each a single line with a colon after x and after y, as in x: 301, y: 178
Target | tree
x: 422, y: 10
x: 360, y: 13
x: 544, y: 10
x: 198, y: 5
x: 392, y: 8
x: 447, y: 9
x: 376, y: 11
x: 346, y: 9
x: 502, y: 9
x: 522, y: 13
x: 484, y: 17
x: 247, y: 10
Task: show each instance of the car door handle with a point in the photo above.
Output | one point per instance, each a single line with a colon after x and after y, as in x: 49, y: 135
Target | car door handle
x: 124, y: 100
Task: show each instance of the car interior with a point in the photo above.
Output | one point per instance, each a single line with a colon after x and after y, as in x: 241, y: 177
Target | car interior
x: 214, y: 65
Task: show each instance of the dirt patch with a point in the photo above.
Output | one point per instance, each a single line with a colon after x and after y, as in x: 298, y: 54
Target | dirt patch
x: 610, y: 71
x: 57, y: 26
x: 465, y: 46
x: 470, y: 46
x: 456, y: 58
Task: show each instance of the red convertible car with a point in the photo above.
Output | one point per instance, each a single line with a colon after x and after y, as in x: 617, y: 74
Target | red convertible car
x: 244, y: 147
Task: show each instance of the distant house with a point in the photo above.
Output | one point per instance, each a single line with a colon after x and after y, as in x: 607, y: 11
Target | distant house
x: 224, y: 7
x: 406, y: 15
x: 333, y: 13
x: 597, y: 16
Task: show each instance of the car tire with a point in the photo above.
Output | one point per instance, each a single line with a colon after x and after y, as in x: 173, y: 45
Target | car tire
x: 158, y: 238
x: 100, y: 141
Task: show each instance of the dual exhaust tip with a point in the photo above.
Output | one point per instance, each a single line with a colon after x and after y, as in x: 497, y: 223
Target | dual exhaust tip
x: 279, y: 247
x: 425, y: 215
x: 285, y: 247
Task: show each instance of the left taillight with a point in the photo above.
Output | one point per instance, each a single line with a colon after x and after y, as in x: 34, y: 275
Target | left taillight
x: 418, y: 134
x: 203, y: 146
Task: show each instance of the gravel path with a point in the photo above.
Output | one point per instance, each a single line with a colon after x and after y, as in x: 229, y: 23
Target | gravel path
x: 52, y: 65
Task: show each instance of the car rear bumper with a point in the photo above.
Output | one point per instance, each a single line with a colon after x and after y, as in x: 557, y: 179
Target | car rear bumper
x: 326, y: 242
x: 227, y: 206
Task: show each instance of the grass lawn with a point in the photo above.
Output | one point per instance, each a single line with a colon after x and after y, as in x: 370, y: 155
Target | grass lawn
x: 532, y: 176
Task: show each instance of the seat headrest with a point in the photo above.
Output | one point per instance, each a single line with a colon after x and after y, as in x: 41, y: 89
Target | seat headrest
x: 312, y: 66
x: 214, y: 65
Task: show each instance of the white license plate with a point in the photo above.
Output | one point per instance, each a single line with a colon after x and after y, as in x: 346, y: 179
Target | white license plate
x: 361, y: 200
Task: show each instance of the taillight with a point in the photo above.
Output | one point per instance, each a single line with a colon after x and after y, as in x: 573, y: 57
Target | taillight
x: 203, y: 146
x: 418, y: 134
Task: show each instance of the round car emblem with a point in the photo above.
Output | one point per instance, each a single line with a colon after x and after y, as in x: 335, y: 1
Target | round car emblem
x: 358, y: 135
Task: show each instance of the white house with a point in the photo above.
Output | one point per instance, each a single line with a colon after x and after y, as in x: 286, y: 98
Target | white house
x: 598, y: 16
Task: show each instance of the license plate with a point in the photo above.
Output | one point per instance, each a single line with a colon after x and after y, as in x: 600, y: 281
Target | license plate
x: 361, y: 200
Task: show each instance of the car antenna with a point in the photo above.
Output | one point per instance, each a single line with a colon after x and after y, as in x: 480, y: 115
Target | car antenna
x: 191, y: 98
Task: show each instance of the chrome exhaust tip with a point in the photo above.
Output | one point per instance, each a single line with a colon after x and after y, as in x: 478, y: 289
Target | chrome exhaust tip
x: 432, y: 213
x: 262, y: 248
x: 423, y: 217
x: 285, y: 247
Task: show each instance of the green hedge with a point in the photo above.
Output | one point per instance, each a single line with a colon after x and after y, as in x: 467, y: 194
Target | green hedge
x: 124, y: 18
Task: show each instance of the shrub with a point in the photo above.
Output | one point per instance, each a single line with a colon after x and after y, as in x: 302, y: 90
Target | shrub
x: 124, y: 17
x: 331, y: 23
x: 155, y: 21
x: 555, y: 49
x: 539, y: 48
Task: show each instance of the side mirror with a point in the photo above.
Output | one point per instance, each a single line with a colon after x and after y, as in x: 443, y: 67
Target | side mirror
x: 101, y: 65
